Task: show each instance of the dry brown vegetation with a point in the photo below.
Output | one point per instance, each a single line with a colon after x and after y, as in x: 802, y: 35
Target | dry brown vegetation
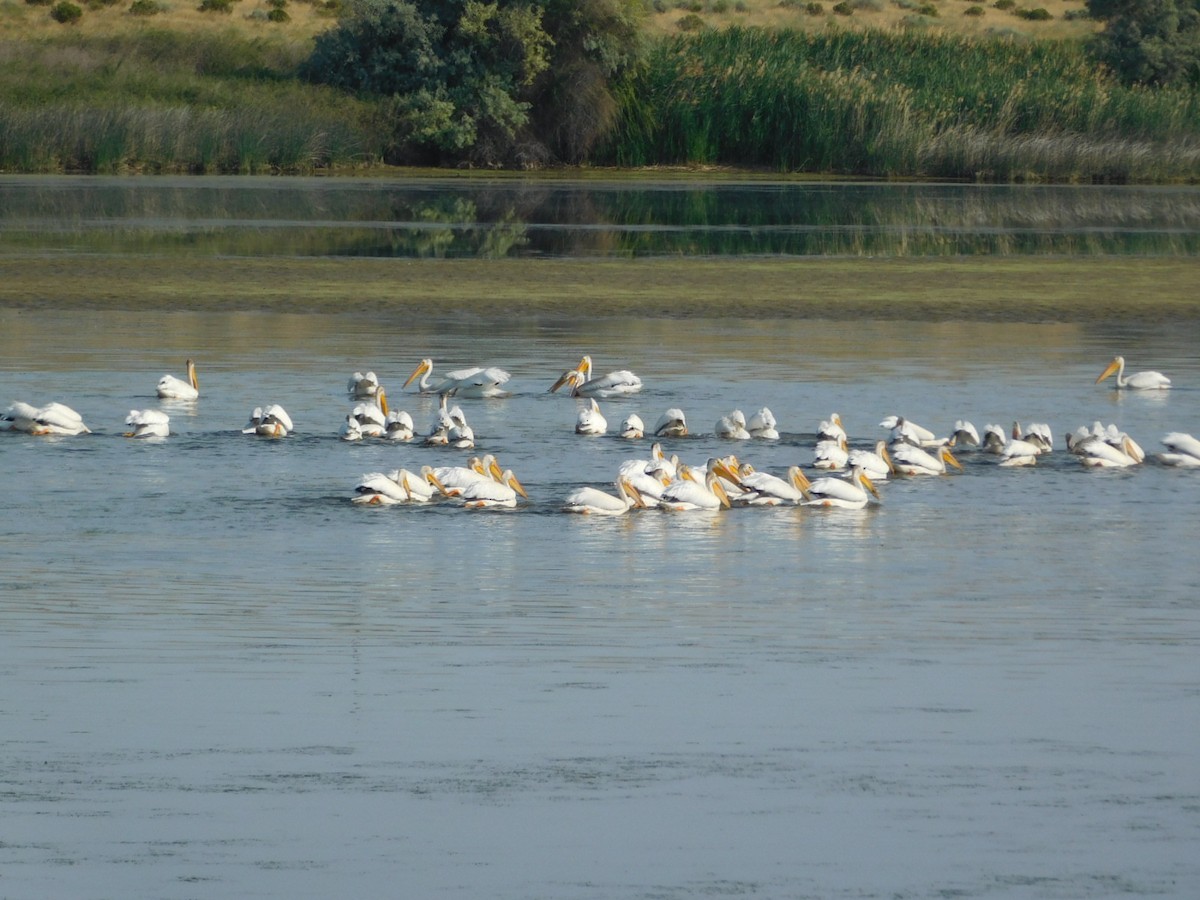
x: 20, y: 19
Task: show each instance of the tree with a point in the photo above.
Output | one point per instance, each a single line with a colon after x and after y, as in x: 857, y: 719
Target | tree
x: 465, y: 76
x: 1154, y: 42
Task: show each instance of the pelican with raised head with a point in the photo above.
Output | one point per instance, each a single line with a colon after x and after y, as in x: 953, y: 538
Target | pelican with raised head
x: 171, y: 387
x: 1139, y: 381
x: 621, y: 383
x: 476, y: 381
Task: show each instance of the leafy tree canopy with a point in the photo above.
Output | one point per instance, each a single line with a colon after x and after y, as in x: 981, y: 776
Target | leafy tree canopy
x: 466, y: 75
x: 1154, y: 42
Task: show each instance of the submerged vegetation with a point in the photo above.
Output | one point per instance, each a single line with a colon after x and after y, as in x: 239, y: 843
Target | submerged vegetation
x: 902, y: 102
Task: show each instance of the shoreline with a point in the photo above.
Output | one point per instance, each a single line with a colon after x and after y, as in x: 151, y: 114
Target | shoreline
x: 1030, y: 289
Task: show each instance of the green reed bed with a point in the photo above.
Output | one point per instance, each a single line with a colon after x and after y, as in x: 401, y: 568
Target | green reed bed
x: 157, y: 101
x: 902, y: 104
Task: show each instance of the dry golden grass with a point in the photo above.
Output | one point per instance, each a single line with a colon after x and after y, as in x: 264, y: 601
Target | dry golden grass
x: 21, y: 20
x: 888, y: 14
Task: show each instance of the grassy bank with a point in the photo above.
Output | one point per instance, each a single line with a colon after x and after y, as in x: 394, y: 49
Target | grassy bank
x: 1025, y: 290
x: 139, y: 96
x: 903, y: 103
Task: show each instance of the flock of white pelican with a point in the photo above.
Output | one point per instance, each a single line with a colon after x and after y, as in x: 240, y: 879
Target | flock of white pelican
x: 658, y: 481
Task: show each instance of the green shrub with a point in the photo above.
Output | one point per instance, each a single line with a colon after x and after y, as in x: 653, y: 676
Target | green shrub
x: 928, y: 9
x: 741, y: 7
x: 867, y: 5
x: 1076, y: 15
x: 814, y: 9
x: 690, y: 22
x: 1005, y: 4
x: 146, y: 8
x: 659, y: 6
x: 720, y: 7
x: 1035, y: 15
x: 221, y: 6
x: 973, y: 11
x: 66, y: 12
x: 278, y: 15
x: 843, y: 9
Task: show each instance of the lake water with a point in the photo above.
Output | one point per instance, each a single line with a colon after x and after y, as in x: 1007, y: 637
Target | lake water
x: 220, y: 678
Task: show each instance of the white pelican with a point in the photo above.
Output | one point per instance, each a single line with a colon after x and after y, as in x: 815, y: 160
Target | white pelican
x: 831, y: 454
x: 1139, y: 381
x: 964, y: 433
x: 1096, y: 452
x: 372, y: 417
x: 876, y: 463
x: 351, y: 429
x: 452, y: 479
x: 1038, y: 434
x: 1184, y: 450
x: 172, y: 388
x: 499, y: 490
x: 378, y: 489
x: 272, y: 421
x: 632, y: 427
x: 762, y: 425
x: 850, y: 492
x: 148, y: 423
x: 911, y: 432
x: 20, y: 416
x: 591, y: 501
x: 732, y: 426
x: 671, y: 424
x: 647, y: 477
x: 615, y: 384
x: 688, y: 493
x: 1019, y: 452
x: 362, y: 386
x: 461, y: 436
x: 399, y: 426
x: 831, y: 429
x: 764, y: 489
x: 473, y: 382
x: 590, y: 421
x: 994, y: 438
x: 910, y: 460
x: 53, y: 418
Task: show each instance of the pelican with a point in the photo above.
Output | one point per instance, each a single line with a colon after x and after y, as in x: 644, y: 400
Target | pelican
x: 1096, y: 452
x: 671, y: 424
x: 632, y: 427
x: 1139, y: 381
x: 762, y: 425
x: 845, y: 493
x: 911, y: 432
x: 1038, y: 434
x: 372, y: 417
x: 53, y: 418
x: 590, y: 501
x: 1184, y: 450
x: 876, y: 463
x: 615, y: 384
x: 964, y: 433
x: 831, y: 454
x: 148, y: 423
x: 732, y: 426
x: 688, y: 493
x: 379, y: 489
x: 910, y: 460
x: 351, y: 429
x: 272, y: 421
x: 831, y: 429
x: 362, y: 386
x: 764, y: 489
x: 499, y: 490
x: 172, y: 388
x: 590, y: 421
x: 994, y: 439
x: 451, y: 480
x: 399, y: 426
x: 472, y: 382
x: 648, y: 477
x: 1019, y: 452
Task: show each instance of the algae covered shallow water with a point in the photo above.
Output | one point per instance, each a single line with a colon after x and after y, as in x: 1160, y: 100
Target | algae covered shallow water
x: 221, y: 678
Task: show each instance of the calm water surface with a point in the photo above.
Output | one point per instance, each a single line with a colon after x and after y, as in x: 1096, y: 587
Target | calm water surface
x: 218, y: 678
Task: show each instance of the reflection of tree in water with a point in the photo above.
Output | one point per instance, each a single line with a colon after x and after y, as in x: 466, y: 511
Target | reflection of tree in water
x: 500, y: 218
